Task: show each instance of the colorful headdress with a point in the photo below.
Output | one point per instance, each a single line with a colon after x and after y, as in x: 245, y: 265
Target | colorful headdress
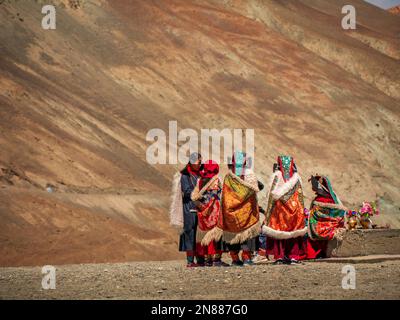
x: 238, y: 163
x: 325, y: 188
x: 286, y: 166
x: 210, y: 169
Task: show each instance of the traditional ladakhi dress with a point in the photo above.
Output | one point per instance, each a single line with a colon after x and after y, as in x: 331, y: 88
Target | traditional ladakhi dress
x: 326, y: 217
x: 238, y: 224
x: 206, y: 196
x: 285, y: 220
x: 183, y: 212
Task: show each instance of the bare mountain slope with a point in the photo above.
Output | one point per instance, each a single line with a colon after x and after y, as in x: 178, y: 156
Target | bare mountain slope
x: 395, y: 10
x: 76, y: 104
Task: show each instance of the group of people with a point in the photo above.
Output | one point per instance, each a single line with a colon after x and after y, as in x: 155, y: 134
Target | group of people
x: 220, y: 216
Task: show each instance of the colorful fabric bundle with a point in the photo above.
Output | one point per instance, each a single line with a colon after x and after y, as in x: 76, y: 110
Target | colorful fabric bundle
x: 325, y: 219
x: 327, y: 213
x: 239, y: 218
x: 285, y: 210
x: 207, y: 199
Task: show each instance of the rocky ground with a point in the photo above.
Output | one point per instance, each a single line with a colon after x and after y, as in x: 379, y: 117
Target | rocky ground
x: 172, y: 280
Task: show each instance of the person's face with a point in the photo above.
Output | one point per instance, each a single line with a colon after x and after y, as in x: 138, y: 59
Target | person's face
x: 314, y: 183
x: 196, y: 165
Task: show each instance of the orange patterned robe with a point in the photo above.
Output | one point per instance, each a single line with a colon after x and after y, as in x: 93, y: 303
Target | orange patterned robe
x: 285, y: 212
x: 239, y: 218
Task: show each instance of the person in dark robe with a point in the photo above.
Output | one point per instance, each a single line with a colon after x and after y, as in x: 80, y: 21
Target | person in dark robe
x: 188, y: 180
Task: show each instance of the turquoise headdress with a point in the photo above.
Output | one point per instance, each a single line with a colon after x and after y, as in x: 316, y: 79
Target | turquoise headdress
x: 239, y: 162
x: 286, y: 166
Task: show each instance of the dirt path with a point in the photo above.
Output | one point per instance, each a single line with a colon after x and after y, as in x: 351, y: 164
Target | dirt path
x: 171, y: 280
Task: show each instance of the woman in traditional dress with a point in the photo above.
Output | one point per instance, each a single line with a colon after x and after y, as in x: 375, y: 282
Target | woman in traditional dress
x: 284, y: 223
x: 183, y: 211
x: 238, y: 223
x: 207, y: 196
x: 326, y: 217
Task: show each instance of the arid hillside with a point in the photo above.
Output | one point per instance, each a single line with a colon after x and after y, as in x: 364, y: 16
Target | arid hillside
x: 395, y: 10
x: 77, y: 102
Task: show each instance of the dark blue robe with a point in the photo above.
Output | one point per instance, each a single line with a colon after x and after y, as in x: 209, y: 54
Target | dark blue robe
x: 187, y: 241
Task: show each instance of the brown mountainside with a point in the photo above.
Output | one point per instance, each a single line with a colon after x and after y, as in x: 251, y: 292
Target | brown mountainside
x: 395, y: 10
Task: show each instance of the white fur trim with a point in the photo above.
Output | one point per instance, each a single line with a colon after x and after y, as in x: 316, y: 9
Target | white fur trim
x: 241, y: 237
x: 271, y: 181
x: 281, y: 235
x: 248, y: 171
x: 214, y: 234
x: 282, y: 187
x: 252, y: 180
x: 243, y: 182
x: 176, y: 208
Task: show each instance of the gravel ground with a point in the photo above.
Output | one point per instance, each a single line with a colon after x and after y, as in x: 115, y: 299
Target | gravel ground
x: 172, y: 280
